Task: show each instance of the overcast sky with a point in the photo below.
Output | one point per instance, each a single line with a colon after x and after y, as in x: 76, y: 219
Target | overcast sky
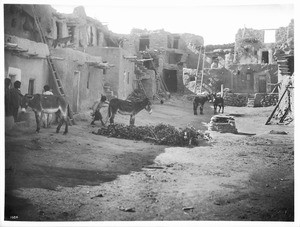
x: 215, y: 22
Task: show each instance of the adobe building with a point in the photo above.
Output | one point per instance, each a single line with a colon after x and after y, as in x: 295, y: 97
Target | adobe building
x: 67, y: 43
x: 164, y: 53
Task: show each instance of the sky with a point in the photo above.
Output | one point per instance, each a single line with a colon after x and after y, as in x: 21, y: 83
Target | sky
x: 216, y: 21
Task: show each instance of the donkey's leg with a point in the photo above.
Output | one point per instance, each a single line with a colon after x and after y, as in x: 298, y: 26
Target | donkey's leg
x: 201, y: 109
x: 195, y: 108
x: 61, y: 121
x: 111, y: 119
x: 222, y: 108
x: 132, y: 119
x: 67, y: 124
x: 38, y: 116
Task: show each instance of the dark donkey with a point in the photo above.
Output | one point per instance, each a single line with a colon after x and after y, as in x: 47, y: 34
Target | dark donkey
x: 126, y: 107
x: 218, y: 102
x: 199, y: 100
x: 47, y: 104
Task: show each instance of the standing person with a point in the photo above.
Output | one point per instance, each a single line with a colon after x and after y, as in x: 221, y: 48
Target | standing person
x: 47, y: 118
x: 15, y: 95
x: 8, y: 106
x: 96, y: 110
x: 47, y: 90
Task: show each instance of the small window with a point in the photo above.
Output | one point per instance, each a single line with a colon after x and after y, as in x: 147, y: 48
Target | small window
x: 104, y: 71
x: 31, y: 87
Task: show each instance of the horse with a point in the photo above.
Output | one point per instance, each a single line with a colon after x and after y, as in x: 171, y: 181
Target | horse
x: 218, y: 101
x: 127, y: 107
x: 41, y: 104
x: 199, y: 100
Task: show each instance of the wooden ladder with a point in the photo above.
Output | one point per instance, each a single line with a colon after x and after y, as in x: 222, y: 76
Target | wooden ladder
x: 57, y: 80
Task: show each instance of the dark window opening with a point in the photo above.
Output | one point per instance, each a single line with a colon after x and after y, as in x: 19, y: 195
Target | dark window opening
x: 31, y: 87
x: 144, y: 43
x: 265, y: 57
x: 176, y: 42
x: 58, y: 29
x: 170, y: 78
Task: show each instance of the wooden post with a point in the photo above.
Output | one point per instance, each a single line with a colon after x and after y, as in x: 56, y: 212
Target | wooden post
x: 197, y: 70
x: 222, y: 90
x: 269, y: 119
x: 202, y: 71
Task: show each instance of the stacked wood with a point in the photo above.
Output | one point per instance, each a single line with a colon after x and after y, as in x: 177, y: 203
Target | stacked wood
x: 235, y: 99
x: 223, y: 124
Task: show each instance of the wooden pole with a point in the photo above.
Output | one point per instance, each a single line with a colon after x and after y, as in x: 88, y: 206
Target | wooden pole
x: 202, y: 71
x: 269, y: 119
x: 197, y: 70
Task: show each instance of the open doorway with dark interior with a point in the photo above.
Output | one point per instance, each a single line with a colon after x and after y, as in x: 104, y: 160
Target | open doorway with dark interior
x: 170, y: 78
x: 265, y: 57
x: 144, y: 42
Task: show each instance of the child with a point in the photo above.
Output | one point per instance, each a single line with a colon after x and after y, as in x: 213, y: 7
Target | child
x: 96, y: 110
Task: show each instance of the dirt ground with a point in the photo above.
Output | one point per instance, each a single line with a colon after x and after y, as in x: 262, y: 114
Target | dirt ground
x: 81, y: 176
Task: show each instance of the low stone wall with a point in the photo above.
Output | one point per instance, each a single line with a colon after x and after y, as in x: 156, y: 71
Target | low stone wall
x: 235, y: 99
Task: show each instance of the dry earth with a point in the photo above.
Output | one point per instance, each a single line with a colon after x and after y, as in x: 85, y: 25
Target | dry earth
x: 85, y: 177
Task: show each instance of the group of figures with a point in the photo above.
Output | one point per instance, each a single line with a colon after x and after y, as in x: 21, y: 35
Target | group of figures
x: 14, y: 97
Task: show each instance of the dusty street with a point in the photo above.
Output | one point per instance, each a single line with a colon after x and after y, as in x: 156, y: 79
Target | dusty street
x: 86, y: 177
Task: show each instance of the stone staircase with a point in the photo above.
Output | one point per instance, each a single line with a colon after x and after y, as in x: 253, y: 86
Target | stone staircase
x: 251, y: 99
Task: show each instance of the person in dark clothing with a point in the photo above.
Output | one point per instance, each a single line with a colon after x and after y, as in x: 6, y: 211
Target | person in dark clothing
x: 97, y: 115
x: 8, y: 107
x: 16, y: 96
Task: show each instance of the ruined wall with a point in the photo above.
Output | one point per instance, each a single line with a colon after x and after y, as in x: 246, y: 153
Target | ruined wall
x: 32, y: 63
x: 83, y: 84
x: 249, y: 47
x: 127, y: 77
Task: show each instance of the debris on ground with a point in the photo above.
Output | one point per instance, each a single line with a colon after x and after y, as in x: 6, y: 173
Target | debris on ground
x: 188, y: 208
x: 161, y: 134
x: 278, y: 132
x: 131, y: 209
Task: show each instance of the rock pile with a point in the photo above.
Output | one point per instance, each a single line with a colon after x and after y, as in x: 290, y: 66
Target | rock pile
x: 222, y: 124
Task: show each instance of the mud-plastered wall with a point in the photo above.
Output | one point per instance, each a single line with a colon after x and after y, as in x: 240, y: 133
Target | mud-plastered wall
x: 83, y: 83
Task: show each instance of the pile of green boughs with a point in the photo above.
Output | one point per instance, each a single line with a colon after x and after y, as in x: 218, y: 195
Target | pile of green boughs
x: 160, y: 134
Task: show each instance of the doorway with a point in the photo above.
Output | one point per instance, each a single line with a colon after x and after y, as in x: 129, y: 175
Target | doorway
x: 262, y: 84
x: 144, y: 43
x: 170, y: 78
